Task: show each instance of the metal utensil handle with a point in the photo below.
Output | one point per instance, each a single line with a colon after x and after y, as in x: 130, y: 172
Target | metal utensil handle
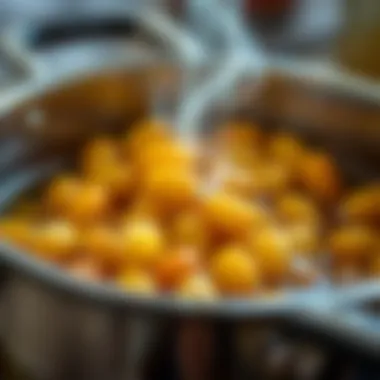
x: 16, y: 47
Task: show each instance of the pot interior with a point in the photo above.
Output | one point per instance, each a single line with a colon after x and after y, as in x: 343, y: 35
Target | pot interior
x: 44, y: 133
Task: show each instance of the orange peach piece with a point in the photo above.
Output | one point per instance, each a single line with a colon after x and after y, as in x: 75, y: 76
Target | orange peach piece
x: 97, y: 153
x: 142, y: 243
x: 171, y: 188
x: 145, y: 133
x: 91, y: 203
x: 319, y: 175
x: 136, y: 281
x: 241, y: 182
x: 352, y: 243
x: 362, y: 206
x: 285, y: 149
x: 295, y: 208
x: 104, y: 244
x: 62, y: 192
x: 272, y: 250
x: 234, y: 272
x: 55, y: 240
x: 232, y: 215
x: 197, y: 287
x: 189, y: 228
x: 80, y: 201
x: 272, y: 179
x: 305, y: 238
x: 175, y: 266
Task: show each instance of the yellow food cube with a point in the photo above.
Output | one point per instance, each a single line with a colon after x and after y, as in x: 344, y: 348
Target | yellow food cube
x: 234, y: 272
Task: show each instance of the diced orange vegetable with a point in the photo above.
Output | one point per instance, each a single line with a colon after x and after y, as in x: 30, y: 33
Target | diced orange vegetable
x: 104, y: 244
x: 55, y: 240
x: 232, y: 215
x: 319, y: 176
x: 234, y: 272
x: 174, y: 267
x: 142, y: 243
x: 136, y: 281
x: 296, y: 208
x: 171, y: 188
x: 273, y: 251
x: 352, y: 243
x: 362, y: 206
x: 197, y: 287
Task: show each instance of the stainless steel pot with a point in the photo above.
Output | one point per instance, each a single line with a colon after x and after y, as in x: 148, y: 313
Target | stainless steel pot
x: 56, y: 327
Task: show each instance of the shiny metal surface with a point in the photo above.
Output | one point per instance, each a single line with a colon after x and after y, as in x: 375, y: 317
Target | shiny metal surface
x: 54, y: 327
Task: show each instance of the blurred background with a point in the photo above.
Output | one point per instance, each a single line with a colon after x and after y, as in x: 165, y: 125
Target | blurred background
x: 291, y: 26
x: 342, y: 30
x: 66, y: 36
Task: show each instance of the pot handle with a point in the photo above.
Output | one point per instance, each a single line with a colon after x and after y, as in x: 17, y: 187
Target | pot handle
x: 345, y: 320
x: 17, y: 44
x: 352, y: 331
